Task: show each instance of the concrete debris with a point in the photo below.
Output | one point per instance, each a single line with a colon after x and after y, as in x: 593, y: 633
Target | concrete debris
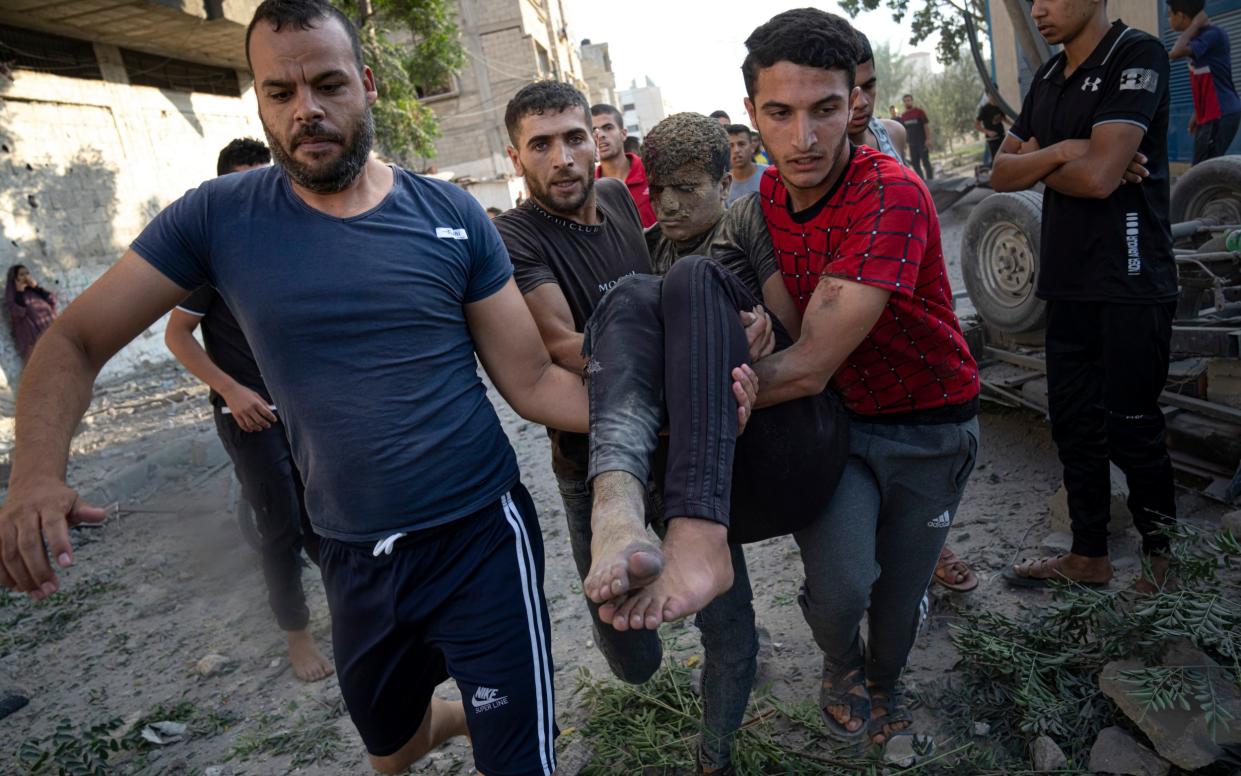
x: 1178, y: 735
x: 214, y: 770
x: 900, y: 751
x: 574, y: 758
x: 164, y: 733
x: 982, y: 729
x: 1057, y: 543
x: 1046, y: 755
x: 1115, y: 751
x: 11, y: 701
x: 1232, y: 522
x: 211, y: 664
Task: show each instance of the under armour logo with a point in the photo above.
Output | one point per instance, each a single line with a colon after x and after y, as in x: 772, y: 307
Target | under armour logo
x: 1139, y: 79
x: 1092, y: 84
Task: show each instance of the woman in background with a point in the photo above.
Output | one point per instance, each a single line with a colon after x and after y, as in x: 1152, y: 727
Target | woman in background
x: 31, y: 308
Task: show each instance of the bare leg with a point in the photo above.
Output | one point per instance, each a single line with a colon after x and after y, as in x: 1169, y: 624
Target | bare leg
x: 698, y: 567
x: 623, y: 557
x: 442, y: 721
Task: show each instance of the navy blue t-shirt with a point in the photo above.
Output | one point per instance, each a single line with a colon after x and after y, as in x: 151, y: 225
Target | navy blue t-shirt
x: 358, y: 325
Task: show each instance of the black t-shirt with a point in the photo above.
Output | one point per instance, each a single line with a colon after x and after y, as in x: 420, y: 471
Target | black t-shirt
x: 585, y: 261
x: 1117, y: 249
x: 991, y: 118
x: 225, y: 343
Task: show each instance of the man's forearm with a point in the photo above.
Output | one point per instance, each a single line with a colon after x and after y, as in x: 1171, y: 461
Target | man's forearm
x: 54, y: 393
x: 787, y: 375
x: 1017, y: 172
x: 182, y: 344
x: 1080, y: 178
x: 557, y: 399
x: 567, y: 353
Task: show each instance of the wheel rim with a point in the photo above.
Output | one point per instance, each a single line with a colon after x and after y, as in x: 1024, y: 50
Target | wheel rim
x: 1008, y: 264
x: 1221, y: 203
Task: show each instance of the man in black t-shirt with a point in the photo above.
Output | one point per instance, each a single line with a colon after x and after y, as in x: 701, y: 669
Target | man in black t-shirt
x: 1094, y: 129
x: 249, y: 427
x: 990, y: 122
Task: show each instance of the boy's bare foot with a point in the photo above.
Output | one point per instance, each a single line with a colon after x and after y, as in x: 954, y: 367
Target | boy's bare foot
x: 623, y: 556
x: 309, y: 664
x: 697, y: 568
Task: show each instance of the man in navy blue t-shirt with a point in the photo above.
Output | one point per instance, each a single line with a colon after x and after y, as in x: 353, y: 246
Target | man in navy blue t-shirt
x: 431, y: 553
x: 1217, y: 109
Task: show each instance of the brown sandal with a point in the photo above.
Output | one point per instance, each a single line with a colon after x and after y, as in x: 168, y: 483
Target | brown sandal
x: 950, y: 567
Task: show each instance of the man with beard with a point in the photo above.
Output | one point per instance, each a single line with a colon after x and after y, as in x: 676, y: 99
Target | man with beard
x: 616, y: 162
x: 857, y: 242
x: 570, y: 244
x: 1094, y: 129
x: 251, y: 431
x: 430, y: 548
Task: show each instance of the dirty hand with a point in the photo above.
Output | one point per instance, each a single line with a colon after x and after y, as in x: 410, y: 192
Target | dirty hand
x: 34, y: 521
x: 758, y: 332
x: 1136, y: 171
x: 249, y: 409
x: 745, y: 390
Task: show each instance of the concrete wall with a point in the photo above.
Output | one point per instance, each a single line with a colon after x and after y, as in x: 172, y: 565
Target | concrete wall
x: 501, y: 39
x: 597, y: 72
x: 85, y: 164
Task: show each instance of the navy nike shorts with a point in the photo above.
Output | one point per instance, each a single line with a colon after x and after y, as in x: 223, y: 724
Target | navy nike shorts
x: 463, y: 600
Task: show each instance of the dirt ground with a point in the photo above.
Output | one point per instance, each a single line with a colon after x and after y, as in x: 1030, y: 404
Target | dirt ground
x: 171, y: 581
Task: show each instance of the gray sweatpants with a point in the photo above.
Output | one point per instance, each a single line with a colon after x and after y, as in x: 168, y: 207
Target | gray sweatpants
x: 875, y: 550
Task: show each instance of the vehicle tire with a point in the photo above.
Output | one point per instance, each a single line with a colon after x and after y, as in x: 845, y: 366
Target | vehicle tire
x: 1210, y: 189
x: 999, y: 259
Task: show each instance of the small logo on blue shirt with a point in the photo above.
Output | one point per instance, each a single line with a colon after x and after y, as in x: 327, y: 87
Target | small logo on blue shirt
x: 448, y: 233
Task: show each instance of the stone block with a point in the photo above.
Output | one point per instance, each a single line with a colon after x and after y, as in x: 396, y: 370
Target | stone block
x: 1115, y: 751
x: 1224, y: 381
x: 1120, y: 520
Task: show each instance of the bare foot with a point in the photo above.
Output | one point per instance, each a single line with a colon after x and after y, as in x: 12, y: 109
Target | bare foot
x: 309, y: 664
x: 623, y: 556
x: 698, y: 567
x: 1063, y: 568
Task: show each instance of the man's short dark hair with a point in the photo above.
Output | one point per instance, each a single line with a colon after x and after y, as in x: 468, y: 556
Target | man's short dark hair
x: 603, y: 109
x: 804, y: 36
x: 633, y: 145
x: 865, y: 52
x: 539, y: 98
x: 737, y: 129
x: 1188, y: 7
x: 686, y: 139
x: 719, y: 114
x: 302, y: 15
x: 910, y: 96
x: 242, y: 152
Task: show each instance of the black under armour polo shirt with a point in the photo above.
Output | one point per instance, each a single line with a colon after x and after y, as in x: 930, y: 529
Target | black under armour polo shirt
x: 1117, y: 249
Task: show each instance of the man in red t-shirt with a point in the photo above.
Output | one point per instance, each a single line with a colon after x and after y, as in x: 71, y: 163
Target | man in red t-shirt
x: 615, y: 162
x: 918, y: 136
x: 857, y: 240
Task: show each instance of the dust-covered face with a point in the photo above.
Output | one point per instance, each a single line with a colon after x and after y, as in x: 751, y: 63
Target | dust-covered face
x: 688, y: 201
x: 314, y: 103
x: 555, y: 154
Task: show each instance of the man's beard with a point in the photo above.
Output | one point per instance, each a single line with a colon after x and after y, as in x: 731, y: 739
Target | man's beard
x: 555, y: 204
x: 337, y: 175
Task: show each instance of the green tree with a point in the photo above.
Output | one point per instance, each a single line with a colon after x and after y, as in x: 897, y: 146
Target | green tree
x: 414, y: 48
x: 928, y: 16
x: 951, y: 98
x: 893, y: 74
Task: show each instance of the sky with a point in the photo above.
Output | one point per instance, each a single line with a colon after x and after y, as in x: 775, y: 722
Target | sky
x: 692, y: 49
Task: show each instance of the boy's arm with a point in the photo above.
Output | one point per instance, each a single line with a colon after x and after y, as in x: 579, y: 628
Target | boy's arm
x: 1021, y: 163
x: 250, y: 410
x: 1182, y: 47
x: 554, y: 320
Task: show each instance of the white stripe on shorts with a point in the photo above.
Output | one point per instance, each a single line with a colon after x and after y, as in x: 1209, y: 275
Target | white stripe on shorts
x: 538, y: 647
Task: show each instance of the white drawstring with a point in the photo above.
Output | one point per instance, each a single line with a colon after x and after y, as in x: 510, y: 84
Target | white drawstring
x: 384, y: 546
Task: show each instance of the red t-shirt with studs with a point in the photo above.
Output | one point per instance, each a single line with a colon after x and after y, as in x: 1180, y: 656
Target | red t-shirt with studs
x: 878, y: 227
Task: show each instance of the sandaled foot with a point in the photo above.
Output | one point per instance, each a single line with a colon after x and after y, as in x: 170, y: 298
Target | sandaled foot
x: 697, y: 568
x: 623, y: 556
x: 888, y: 715
x: 844, y: 701
x: 308, y: 662
x: 1091, y: 572
x: 954, y: 573
x: 1155, y: 576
